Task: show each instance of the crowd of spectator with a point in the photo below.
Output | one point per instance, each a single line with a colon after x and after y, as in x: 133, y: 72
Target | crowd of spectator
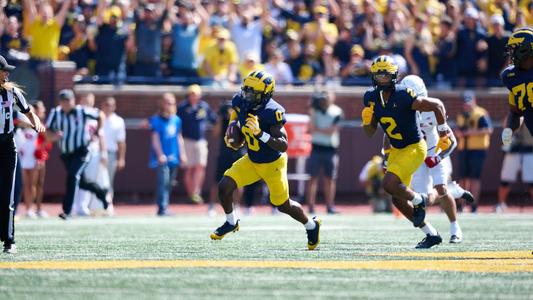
x: 299, y: 41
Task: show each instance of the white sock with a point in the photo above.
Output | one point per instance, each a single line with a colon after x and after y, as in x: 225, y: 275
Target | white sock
x: 417, y: 199
x: 310, y: 225
x: 231, y: 218
x: 455, y: 229
x: 428, y: 229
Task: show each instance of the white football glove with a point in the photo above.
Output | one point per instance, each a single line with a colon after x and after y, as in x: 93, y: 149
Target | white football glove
x: 507, y: 136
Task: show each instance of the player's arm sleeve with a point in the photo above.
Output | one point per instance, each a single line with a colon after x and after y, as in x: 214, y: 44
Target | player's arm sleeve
x: 279, y: 117
x: 233, y: 116
x: 410, y: 97
x: 450, y: 149
x: 20, y: 101
x: 366, y: 99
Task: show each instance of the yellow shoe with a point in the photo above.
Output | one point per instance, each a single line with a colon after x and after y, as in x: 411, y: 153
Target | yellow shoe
x: 313, y: 236
x: 226, y: 228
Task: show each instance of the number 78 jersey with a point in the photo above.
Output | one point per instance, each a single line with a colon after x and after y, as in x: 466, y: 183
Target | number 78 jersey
x: 520, y: 85
x: 396, y: 116
x: 269, y: 114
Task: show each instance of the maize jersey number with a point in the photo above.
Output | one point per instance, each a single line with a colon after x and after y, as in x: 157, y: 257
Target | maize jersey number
x: 390, y: 128
x: 520, y: 91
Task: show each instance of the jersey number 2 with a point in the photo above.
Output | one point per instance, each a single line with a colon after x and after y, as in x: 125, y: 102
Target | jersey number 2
x: 253, y: 143
x: 520, y: 91
x: 391, y: 127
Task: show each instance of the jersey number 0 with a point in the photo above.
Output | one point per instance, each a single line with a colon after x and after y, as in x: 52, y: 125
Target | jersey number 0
x: 251, y: 140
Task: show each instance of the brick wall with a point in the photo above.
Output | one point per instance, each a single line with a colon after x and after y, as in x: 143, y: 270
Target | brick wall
x: 141, y: 101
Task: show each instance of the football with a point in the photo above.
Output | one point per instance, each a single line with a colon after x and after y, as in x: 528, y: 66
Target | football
x: 234, y: 135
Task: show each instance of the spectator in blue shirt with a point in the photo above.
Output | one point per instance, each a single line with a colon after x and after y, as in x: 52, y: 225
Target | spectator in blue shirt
x: 187, y: 24
x: 196, y: 115
x: 148, y: 37
x: 471, y: 44
x: 167, y: 149
x: 446, y: 49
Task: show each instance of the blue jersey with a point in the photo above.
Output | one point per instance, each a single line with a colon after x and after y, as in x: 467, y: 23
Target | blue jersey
x: 195, y: 119
x: 168, y: 131
x: 270, y: 114
x: 520, y: 85
x: 396, y: 117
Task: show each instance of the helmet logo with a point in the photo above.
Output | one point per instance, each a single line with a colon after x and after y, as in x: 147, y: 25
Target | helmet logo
x: 515, y: 40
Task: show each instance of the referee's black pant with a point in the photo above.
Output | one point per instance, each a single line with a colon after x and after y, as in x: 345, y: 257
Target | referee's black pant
x: 75, y: 164
x: 8, y: 163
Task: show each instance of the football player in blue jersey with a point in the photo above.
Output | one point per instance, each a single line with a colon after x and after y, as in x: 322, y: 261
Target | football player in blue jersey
x: 395, y: 108
x: 518, y: 78
x: 261, y: 121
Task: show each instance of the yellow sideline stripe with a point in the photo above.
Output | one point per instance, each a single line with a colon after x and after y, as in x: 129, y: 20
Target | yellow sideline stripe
x: 473, y: 254
x: 470, y: 265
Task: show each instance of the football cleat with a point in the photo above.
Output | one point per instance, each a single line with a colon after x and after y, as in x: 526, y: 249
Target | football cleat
x: 226, y: 228
x: 313, y: 236
x: 454, y: 239
x: 500, y: 208
x: 419, y: 212
x: 10, y: 248
x: 429, y: 241
x: 469, y: 198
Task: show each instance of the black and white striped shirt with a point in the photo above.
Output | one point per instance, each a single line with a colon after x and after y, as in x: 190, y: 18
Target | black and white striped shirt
x: 10, y: 100
x: 73, y: 125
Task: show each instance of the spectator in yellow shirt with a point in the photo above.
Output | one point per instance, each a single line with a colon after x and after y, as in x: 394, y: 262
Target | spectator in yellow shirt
x: 44, y: 29
x: 321, y: 32
x: 250, y: 63
x: 221, y: 60
x: 323, y: 35
x: 473, y: 131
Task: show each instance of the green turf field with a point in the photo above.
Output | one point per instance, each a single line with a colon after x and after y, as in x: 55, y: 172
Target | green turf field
x: 365, y: 257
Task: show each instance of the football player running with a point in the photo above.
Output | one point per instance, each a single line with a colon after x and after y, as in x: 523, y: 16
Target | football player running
x: 395, y: 108
x: 433, y: 175
x: 518, y: 78
x: 262, y: 121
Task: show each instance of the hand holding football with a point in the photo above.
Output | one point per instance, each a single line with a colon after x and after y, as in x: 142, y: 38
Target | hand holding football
x: 234, y: 137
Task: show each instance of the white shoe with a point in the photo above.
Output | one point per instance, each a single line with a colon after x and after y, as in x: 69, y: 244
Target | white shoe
x: 30, y: 214
x: 110, y: 211
x: 10, y: 249
x: 211, y: 212
x: 456, y: 239
x: 42, y: 214
x: 500, y: 208
x: 248, y: 211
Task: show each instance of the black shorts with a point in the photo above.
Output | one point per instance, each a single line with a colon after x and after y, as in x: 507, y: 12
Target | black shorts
x: 325, y: 159
x: 471, y: 163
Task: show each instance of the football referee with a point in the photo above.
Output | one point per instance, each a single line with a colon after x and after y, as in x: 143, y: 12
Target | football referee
x: 67, y: 125
x: 11, y: 98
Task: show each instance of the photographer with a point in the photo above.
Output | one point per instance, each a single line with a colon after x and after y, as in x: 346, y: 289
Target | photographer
x: 324, y: 129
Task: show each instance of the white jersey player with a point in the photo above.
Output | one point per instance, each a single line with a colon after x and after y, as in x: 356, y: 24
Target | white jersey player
x: 436, y: 171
